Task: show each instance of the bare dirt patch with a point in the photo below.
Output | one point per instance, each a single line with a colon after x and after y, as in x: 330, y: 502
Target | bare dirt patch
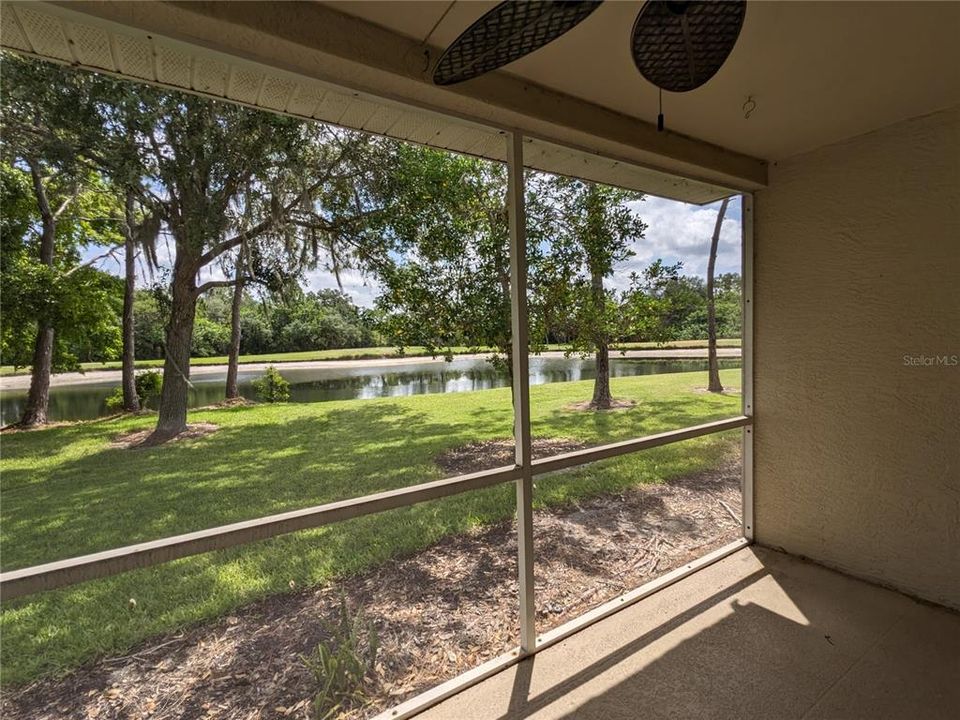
x: 16, y: 427
x: 228, y: 403
x: 491, y: 454
x: 587, y: 406
x: 438, y: 613
x: 725, y: 391
x: 138, y: 438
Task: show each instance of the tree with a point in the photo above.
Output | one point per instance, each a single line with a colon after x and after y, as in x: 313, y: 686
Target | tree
x: 448, y: 283
x: 319, y: 321
x: 648, y: 307
x: 287, y: 232
x: 203, y: 154
x: 714, y: 367
x: 214, y: 164
x: 728, y: 305
x: 233, y: 360
x: 77, y: 129
x: 49, y: 125
x: 686, y: 307
x: 594, y: 231
x: 82, y: 303
x: 121, y: 156
x: 139, y: 234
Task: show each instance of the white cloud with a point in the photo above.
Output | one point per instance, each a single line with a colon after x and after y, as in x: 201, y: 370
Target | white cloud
x: 363, y: 291
x: 678, y: 232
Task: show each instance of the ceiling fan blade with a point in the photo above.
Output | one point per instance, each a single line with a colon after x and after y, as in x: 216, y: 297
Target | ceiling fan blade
x: 678, y: 46
x: 506, y: 33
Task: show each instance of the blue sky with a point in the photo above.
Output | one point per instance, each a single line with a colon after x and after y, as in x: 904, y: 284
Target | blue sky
x: 676, y: 232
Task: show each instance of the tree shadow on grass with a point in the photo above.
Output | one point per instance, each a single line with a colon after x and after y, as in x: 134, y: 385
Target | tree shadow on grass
x: 62, y: 628
x: 648, y: 417
x: 249, y: 468
x: 115, y: 497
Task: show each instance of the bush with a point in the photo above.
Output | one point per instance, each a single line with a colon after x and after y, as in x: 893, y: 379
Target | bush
x: 149, y: 383
x: 343, y: 664
x: 272, y: 387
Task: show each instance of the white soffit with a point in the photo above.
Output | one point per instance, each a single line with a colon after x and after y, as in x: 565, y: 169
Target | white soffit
x: 61, y: 35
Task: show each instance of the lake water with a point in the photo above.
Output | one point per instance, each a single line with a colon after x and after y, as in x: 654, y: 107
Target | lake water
x: 88, y: 400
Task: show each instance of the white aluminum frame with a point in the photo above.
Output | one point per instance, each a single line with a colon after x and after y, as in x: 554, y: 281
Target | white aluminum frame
x: 520, y: 347
x: 26, y: 581
x: 746, y: 361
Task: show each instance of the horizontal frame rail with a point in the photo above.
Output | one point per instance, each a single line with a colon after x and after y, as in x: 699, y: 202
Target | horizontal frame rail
x: 589, y: 455
x: 61, y: 573
x: 26, y: 581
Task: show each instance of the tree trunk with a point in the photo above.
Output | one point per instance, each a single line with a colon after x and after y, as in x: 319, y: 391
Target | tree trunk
x: 714, y: 367
x: 38, y: 398
x: 602, y: 399
x: 176, y: 367
x: 234, y: 358
x: 131, y: 403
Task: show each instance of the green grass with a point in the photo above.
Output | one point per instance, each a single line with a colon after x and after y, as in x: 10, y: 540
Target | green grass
x: 369, y: 353
x: 65, y: 492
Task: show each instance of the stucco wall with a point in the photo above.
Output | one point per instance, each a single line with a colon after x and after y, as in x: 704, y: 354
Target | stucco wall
x: 857, y: 270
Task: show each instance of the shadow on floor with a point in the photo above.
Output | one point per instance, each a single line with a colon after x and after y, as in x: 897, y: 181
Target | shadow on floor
x: 757, y: 635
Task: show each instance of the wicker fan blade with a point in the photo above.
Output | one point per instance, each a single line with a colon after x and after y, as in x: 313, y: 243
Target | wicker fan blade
x: 678, y: 46
x: 506, y: 33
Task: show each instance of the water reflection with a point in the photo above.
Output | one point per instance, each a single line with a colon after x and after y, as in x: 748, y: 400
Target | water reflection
x: 88, y: 401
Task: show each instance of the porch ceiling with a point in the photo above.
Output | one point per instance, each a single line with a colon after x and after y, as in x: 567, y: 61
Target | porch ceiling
x: 819, y: 72
x: 64, y: 35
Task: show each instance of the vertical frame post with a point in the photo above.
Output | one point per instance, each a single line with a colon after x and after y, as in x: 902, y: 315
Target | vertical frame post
x: 521, y: 386
x: 746, y: 222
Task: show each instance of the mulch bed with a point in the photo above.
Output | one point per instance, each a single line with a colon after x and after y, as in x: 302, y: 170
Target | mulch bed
x: 490, y: 454
x: 438, y: 613
x: 588, y: 406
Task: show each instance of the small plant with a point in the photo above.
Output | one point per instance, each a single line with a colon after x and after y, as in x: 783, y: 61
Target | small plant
x: 115, y: 400
x: 343, y: 664
x: 148, y: 383
x: 272, y: 387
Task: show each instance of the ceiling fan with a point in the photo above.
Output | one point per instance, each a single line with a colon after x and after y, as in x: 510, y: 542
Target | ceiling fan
x: 677, y: 46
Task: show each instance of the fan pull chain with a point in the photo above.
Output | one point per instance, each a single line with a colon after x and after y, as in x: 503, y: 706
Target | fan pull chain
x: 660, y: 116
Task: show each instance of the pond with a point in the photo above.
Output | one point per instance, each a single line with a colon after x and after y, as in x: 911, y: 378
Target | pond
x: 318, y: 384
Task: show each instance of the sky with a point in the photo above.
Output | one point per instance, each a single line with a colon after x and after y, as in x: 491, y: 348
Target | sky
x: 679, y: 232
x: 676, y: 232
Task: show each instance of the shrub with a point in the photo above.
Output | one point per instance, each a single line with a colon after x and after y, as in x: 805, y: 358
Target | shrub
x: 149, y: 383
x: 115, y: 400
x: 272, y: 387
x: 343, y: 664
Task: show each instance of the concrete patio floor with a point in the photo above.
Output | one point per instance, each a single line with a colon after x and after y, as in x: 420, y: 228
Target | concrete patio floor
x: 759, y: 634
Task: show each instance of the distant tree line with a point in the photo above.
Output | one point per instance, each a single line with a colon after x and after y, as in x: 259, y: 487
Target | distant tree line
x: 322, y: 320
x: 328, y: 319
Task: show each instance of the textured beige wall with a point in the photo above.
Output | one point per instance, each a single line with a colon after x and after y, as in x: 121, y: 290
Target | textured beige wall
x: 857, y: 265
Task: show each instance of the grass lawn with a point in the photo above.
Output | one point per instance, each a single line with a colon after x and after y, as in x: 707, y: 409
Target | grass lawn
x: 369, y: 353
x: 66, y: 492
